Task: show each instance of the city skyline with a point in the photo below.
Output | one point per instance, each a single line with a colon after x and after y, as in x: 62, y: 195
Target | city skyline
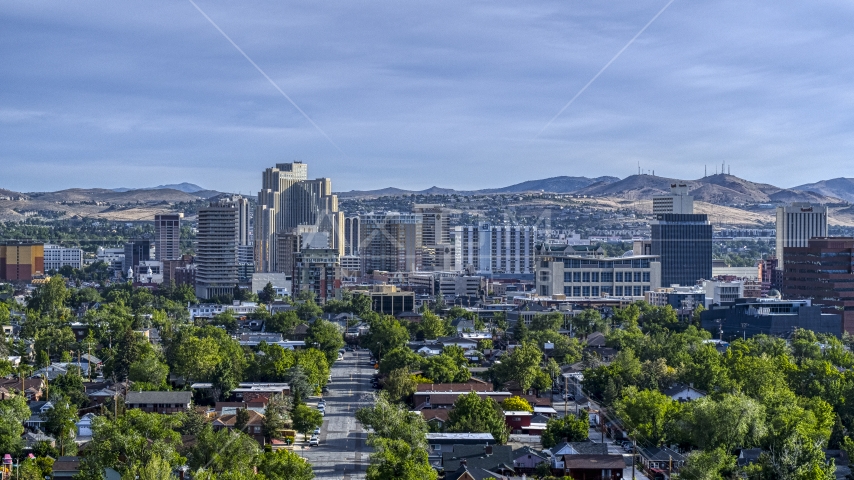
x: 116, y: 97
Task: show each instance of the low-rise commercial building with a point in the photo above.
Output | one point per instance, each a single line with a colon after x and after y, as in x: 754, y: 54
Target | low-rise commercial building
x: 56, y: 257
x: 748, y: 317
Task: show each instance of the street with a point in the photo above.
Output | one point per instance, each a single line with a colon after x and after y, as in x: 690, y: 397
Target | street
x: 342, y: 453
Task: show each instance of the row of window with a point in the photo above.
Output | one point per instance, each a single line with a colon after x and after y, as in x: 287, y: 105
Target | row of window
x: 593, y: 263
x: 595, y: 291
x: 606, y: 277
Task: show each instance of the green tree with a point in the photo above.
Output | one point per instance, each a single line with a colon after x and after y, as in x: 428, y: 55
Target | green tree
x: 154, y: 469
x: 396, y: 459
x: 284, y: 465
x: 283, y: 322
x: 241, y: 419
x: 708, y: 465
x: 445, y: 368
x: 733, y: 421
x: 400, y: 358
x: 223, y: 451
x: 570, y: 427
x: 474, y: 414
x: 13, y: 412
x: 523, y: 366
x: 50, y: 298
x: 129, y: 347
x: 268, y: 294
x: 150, y: 371
x: 70, y: 385
x: 586, y: 322
x: 393, y: 421
x: 433, y: 326
x: 306, y: 419
x: 547, y: 322
x: 277, y: 416
x: 647, y: 414
x: 400, y: 384
x: 60, y: 423
x: 384, y: 335
x: 133, y: 439
x: 313, y: 363
x: 327, y: 337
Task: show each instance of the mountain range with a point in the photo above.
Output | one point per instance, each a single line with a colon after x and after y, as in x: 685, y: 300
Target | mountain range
x: 181, y: 187
x: 719, y: 189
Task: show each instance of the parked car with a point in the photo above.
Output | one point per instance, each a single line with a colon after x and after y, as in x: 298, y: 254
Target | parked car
x: 313, y: 441
x: 324, y: 390
x: 316, y: 431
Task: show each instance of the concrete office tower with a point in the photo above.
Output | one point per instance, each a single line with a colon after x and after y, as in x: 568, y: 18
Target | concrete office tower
x: 351, y: 236
x: 435, y: 235
x: 495, y: 249
x: 167, y: 236
x: 317, y: 270
x: 678, y: 201
x: 217, y: 250
x: 390, y: 241
x: 288, y: 200
x: 797, y: 224
x: 684, y: 244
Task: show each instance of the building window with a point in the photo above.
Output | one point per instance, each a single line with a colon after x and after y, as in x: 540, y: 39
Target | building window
x: 576, y: 291
x: 637, y: 277
x: 576, y: 277
x: 594, y: 291
x: 646, y: 277
x: 619, y: 277
x: 606, y: 289
x: 607, y: 277
x: 585, y: 277
x: 637, y: 291
x: 618, y: 291
x: 586, y: 291
x: 567, y: 277
x: 567, y: 291
x: 594, y: 277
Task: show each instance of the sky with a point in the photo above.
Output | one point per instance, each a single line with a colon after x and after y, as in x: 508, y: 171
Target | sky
x: 415, y: 94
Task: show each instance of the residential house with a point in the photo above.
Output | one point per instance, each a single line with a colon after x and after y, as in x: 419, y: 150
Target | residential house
x: 462, y: 324
x: 594, y: 467
x: 69, y: 467
x: 473, y: 473
x: 300, y: 332
x: 748, y: 456
x: 517, y: 421
x: 159, y: 402
x: 84, y: 425
x: 429, y: 399
x: 684, y: 393
x: 436, y: 418
x: 254, y: 426
x: 527, y: 459
x: 495, y: 458
x: 439, y: 442
x: 101, y: 395
x: 661, y: 458
x: 573, y: 448
x: 32, y: 387
x: 464, y: 343
x: 31, y: 439
x: 537, y: 426
x: 37, y: 411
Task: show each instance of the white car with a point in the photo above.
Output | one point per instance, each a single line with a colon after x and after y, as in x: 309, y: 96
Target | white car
x: 313, y: 441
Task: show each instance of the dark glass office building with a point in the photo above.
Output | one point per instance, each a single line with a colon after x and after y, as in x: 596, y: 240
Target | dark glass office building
x: 684, y: 244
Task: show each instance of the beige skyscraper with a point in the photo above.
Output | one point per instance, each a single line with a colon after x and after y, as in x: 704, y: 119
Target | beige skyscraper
x: 287, y: 201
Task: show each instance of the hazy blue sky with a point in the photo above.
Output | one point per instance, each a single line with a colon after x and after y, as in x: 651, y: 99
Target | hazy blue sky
x: 415, y: 94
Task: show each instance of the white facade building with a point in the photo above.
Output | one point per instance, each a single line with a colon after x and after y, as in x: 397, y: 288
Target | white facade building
x: 722, y: 292
x: 490, y: 249
x: 678, y: 201
x: 56, y: 257
x: 796, y: 224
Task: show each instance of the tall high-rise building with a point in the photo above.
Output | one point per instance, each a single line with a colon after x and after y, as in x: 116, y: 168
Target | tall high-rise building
x: 823, y: 271
x: 797, y: 224
x: 390, y: 241
x: 683, y: 242
x: 21, y: 260
x: 167, y: 236
x: 678, y: 201
x: 495, y: 249
x: 317, y: 270
x: 351, y: 236
x: 288, y: 200
x: 217, y: 249
x: 435, y: 236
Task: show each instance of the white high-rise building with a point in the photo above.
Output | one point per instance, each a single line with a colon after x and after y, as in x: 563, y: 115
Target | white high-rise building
x: 678, y: 201
x: 797, y: 224
x: 495, y: 249
x: 390, y: 241
x: 56, y: 257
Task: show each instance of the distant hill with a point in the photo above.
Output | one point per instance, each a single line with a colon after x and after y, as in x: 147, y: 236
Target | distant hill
x: 181, y: 187
x: 836, y: 187
x: 553, y: 185
x: 719, y: 189
x: 105, y: 195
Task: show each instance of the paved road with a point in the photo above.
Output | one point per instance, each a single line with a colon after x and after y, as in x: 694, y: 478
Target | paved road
x: 342, y: 453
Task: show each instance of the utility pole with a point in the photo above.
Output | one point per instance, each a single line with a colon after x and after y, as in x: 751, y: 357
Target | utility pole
x: 634, y: 455
x: 565, y: 396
